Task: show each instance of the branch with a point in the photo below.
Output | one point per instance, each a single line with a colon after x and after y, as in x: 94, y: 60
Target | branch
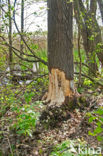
x: 7, y: 44
x: 82, y: 8
x: 78, y: 9
x: 93, y: 80
x: 39, y: 76
x: 20, y: 56
x: 24, y: 59
x: 39, y: 59
x: 85, y: 66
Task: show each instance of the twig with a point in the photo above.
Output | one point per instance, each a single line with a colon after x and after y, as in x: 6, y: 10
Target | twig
x: 83, y: 64
x: 10, y: 146
x: 32, y: 52
x: 29, y: 84
x: 93, y: 80
x: 77, y: 129
x: 87, y: 110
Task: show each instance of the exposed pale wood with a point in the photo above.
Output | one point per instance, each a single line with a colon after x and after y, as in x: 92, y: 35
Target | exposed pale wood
x: 59, y: 87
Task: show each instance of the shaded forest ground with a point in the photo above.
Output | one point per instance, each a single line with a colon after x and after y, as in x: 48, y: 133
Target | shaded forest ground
x: 29, y: 127
x: 55, y: 125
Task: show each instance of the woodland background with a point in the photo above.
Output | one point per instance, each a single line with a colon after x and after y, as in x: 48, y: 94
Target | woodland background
x: 26, y: 126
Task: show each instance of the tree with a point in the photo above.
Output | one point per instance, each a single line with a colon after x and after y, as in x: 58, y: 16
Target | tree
x: 100, y: 2
x: 10, y: 37
x: 60, y: 51
x: 22, y: 24
x: 90, y: 30
x: 0, y: 16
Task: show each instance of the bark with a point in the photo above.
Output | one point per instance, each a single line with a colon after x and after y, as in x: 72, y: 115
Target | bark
x: 100, y: 2
x: 10, y: 37
x: 60, y: 53
x: 89, y: 28
x: 80, y: 58
x: 22, y: 24
x: 0, y: 17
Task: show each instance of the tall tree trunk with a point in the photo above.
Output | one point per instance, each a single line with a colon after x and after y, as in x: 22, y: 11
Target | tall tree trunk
x: 22, y: 24
x: 0, y: 16
x: 90, y: 31
x: 80, y: 58
x: 10, y: 38
x: 60, y: 51
x: 100, y: 2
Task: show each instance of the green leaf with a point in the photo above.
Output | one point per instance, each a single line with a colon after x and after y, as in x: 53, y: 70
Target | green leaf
x: 99, y: 138
x: 91, y: 119
x: 98, y: 130
x: 92, y: 134
x: 99, y: 111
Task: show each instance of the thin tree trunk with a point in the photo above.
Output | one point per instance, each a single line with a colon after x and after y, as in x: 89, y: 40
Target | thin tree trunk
x: 0, y: 16
x: 100, y: 2
x: 89, y: 28
x: 80, y: 59
x: 22, y: 25
x: 10, y: 38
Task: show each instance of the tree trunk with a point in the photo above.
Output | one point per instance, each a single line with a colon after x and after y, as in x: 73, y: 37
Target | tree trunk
x: 0, y: 17
x: 22, y: 24
x: 10, y: 38
x: 60, y: 51
x: 91, y: 37
x: 100, y: 2
x: 90, y: 31
x: 80, y: 58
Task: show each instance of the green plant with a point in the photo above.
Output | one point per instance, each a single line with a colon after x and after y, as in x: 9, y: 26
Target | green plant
x: 26, y: 118
x: 74, y: 148
x: 97, y: 117
x: 87, y: 82
x: 28, y: 96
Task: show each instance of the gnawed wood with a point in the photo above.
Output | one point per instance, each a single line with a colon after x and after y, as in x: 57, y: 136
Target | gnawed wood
x: 60, y: 88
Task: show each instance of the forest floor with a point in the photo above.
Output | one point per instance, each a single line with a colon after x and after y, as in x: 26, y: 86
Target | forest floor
x: 55, y: 125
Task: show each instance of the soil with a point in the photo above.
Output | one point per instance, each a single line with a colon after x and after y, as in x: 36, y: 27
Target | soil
x: 56, y: 124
